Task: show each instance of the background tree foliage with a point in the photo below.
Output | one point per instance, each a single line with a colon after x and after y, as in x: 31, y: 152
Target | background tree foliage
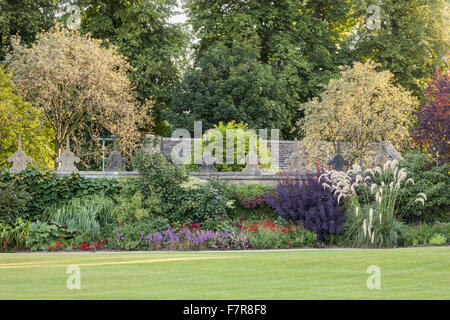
x: 433, y: 130
x: 25, y: 18
x: 228, y: 84
x: 140, y: 30
x: 80, y: 87
x: 296, y: 41
x: 362, y: 107
x: 413, y: 39
x: 19, y: 117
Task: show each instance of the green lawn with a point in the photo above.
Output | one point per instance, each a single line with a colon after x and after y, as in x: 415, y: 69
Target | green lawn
x: 416, y: 273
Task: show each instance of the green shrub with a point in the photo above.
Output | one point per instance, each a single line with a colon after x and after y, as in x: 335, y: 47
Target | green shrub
x: 434, y: 181
x: 199, y: 204
x: 237, y: 240
x: 41, y: 235
x: 13, y: 203
x: 300, y: 237
x: 418, y: 235
x: 86, y: 214
x: 158, y: 174
x: 47, y: 189
x: 438, y: 240
x: 14, y: 236
x: 267, y: 239
x: 443, y: 228
x: 249, y: 202
x: 132, y: 235
x: 131, y: 209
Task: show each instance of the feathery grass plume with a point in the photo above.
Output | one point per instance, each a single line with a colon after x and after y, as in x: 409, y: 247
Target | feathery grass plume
x: 374, y: 191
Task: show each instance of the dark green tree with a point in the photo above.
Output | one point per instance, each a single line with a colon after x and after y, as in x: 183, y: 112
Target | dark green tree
x: 140, y: 30
x: 297, y: 41
x: 410, y: 39
x: 226, y: 84
x: 25, y: 18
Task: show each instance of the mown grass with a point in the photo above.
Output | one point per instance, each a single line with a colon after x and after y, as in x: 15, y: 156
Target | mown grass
x: 413, y: 273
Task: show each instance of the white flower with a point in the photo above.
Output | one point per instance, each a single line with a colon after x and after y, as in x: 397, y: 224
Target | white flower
x: 364, y: 228
x: 380, y: 217
x: 420, y: 200
x: 370, y: 216
x: 373, y: 236
x: 423, y: 195
x: 357, y: 211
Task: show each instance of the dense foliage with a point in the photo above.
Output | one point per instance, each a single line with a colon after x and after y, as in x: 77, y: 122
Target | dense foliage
x: 434, y: 181
x: 362, y: 107
x: 433, y: 130
x: 46, y: 188
x: 82, y: 88
x: 21, y: 118
x: 308, y: 204
x: 154, y: 48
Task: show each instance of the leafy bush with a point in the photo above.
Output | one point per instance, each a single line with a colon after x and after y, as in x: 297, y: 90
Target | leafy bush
x: 310, y: 205
x: 208, y: 202
x: 41, y: 234
x: 438, y: 239
x: 250, y: 203
x: 130, y: 236
x: 300, y: 237
x: 158, y: 174
x: 423, y: 233
x: 432, y: 180
x: 237, y: 240
x: 267, y: 239
x: 47, y: 189
x: 13, y: 203
x: 135, y: 208
x: 14, y: 236
x: 87, y: 214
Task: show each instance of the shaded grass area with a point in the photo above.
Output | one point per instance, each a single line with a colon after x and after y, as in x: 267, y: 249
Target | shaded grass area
x: 413, y: 273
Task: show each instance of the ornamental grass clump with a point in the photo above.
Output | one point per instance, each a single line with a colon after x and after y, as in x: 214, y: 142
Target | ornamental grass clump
x: 371, y: 200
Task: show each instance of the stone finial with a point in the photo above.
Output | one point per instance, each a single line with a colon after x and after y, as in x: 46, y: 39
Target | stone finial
x: 338, y: 161
x: 208, y: 160
x: 115, y: 160
x: 19, y: 159
x: 252, y: 161
x: 295, y: 162
x: 67, y: 159
x: 381, y: 158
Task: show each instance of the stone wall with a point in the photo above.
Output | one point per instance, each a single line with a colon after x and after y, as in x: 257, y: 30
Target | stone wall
x: 286, y: 149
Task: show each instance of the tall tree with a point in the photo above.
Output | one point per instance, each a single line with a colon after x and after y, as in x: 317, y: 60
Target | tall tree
x: 433, y: 130
x: 410, y: 38
x: 297, y: 40
x: 228, y: 84
x: 362, y: 107
x: 79, y: 86
x: 18, y: 117
x: 140, y: 30
x: 25, y: 18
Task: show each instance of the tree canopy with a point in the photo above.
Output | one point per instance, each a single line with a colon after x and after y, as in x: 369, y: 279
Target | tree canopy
x: 21, y: 118
x: 81, y: 88
x: 362, y: 107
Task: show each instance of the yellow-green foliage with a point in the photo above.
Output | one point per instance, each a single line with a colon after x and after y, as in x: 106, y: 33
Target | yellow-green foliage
x: 362, y: 107
x: 19, y: 117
